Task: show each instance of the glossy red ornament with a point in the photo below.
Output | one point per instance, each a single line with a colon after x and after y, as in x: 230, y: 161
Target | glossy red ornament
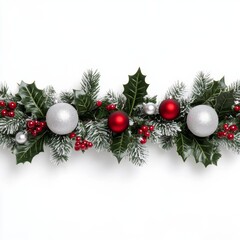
x: 169, y: 109
x: 118, y: 121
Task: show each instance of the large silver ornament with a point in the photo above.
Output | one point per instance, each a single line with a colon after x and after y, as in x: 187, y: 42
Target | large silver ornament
x: 62, y: 118
x: 149, y: 108
x: 202, y: 120
x: 21, y: 137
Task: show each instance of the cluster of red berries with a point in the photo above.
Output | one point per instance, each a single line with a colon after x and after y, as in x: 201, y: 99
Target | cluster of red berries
x: 228, y: 131
x: 79, y: 143
x: 145, y: 131
x: 8, y: 109
x: 34, y: 127
x: 109, y: 107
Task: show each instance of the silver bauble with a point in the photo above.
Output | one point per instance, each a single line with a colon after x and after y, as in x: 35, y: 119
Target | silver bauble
x: 62, y: 118
x: 202, y: 120
x: 149, y: 108
x: 21, y: 137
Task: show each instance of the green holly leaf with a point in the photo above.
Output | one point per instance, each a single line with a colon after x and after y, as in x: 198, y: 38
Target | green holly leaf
x: 26, y: 152
x: 210, y: 94
x: 119, y: 145
x: 84, y: 103
x: 33, y: 99
x: 224, y: 103
x: 135, y: 91
x: 204, y: 151
x: 184, y: 146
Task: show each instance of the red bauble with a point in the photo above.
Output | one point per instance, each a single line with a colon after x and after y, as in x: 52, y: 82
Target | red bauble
x: 169, y: 109
x: 118, y: 121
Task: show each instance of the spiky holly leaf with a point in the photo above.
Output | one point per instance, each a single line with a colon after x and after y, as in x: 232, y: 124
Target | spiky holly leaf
x: 26, y: 152
x: 184, y: 146
x: 119, y: 145
x: 33, y: 99
x: 135, y: 91
x: 210, y: 94
x: 224, y: 103
x: 204, y: 151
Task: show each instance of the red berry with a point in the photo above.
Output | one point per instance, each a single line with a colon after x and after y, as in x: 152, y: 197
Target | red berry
x: 43, y: 124
x: 220, y: 134
x: 151, y: 128
x: 2, y: 103
x: 11, y: 114
x: 112, y: 107
x: 90, y: 144
x: 144, y: 128
x: 85, y: 142
x: 226, y: 127
x: 236, y: 108
x: 140, y: 131
x: 99, y: 103
x: 78, y: 139
x: 30, y: 124
x: 77, y: 148
x: 38, y: 129
x: 37, y: 123
x: 225, y: 134
x: 108, y: 107
x: 77, y: 144
x: 4, y: 113
x: 147, y: 134
x: 34, y: 133
x: 143, y: 140
x: 83, y: 146
x: 233, y: 128
x: 72, y: 135
x: 230, y: 136
x: 12, y: 105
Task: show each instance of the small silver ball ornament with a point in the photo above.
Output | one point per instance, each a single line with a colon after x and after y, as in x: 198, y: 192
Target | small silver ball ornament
x: 21, y: 137
x: 149, y: 108
x: 202, y: 120
x: 62, y: 118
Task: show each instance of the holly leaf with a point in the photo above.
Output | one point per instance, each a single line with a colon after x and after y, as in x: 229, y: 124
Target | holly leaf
x: 224, y: 103
x: 204, y: 151
x: 26, y: 152
x: 210, y: 94
x: 184, y: 146
x: 33, y: 99
x: 84, y: 103
x: 135, y: 91
x: 119, y: 145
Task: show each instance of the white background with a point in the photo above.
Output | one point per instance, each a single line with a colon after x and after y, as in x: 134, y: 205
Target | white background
x: 91, y: 196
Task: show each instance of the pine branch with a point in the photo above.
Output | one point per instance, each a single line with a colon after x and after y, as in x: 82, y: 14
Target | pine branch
x: 201, y: 83
x: 4, y: 91
x: 98, y: 133
x: 67, y: 97
x: 50, y: 96
x: 164, y: 129
x: 81, y: 130
x: 137, y: 152
x: 60, y: 146
x: 90, y: 83
x: 236, y: 89
x: 233, y: 145
x: 12, y: 125
x: 167, y: 142
x: 118, y: 99
x: 7, y: 141
x: 176, y: 91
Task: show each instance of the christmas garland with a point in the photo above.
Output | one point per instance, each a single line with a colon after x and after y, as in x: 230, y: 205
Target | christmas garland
x: 78, y: 120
